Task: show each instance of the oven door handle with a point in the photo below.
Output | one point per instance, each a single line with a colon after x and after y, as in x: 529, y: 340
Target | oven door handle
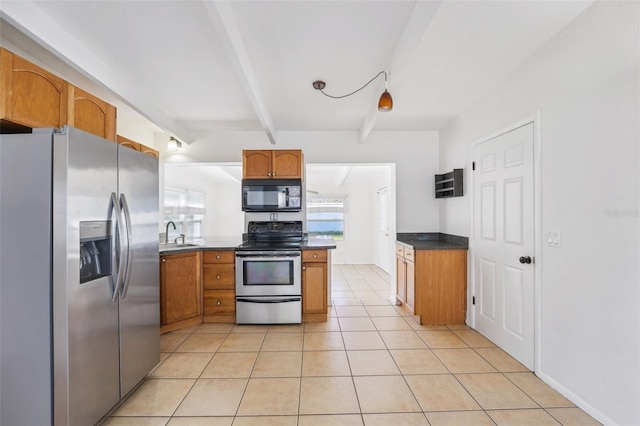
x: 268, y: 255
x: 281, y: 300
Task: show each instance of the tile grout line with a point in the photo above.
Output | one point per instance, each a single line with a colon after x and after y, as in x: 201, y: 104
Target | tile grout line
x: 194, y: 382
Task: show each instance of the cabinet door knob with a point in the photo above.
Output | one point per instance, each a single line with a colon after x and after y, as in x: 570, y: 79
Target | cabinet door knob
x: 218, y: 303
x: 315, y: 255
x: 218, y: 257
x: 304, y: 267
x: 218, y: 277
x: 164, y: 260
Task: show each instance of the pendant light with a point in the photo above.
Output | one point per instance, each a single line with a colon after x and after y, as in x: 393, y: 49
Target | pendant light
x: 385, y: 103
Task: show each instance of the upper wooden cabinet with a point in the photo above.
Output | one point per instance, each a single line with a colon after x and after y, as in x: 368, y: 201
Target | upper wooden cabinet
x: 149, y: 151
x: 121, y: 140
x: 30, y: 96
x: 272, y: 164
x: 91, y: 114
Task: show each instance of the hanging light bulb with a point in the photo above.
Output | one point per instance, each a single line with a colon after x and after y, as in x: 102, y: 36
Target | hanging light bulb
x: 385, y: 103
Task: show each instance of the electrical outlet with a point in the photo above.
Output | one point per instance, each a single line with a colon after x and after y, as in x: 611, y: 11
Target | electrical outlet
x: 554, y: 239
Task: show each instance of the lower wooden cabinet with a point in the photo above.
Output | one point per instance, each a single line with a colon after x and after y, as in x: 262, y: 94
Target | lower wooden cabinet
x: 405, y: 276
x: 219, y: 283
x: 180, y: 290
x: 432, y: 284
x: 315, y: 272
x: 441, y: 286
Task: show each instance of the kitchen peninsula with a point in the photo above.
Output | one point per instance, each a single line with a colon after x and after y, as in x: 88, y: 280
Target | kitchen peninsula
x: 197, y: 281
x: 431, y: 276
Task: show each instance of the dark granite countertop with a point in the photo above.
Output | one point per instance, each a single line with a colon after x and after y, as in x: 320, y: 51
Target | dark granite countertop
x: 433, y: 241
x: 319, y: 244
x: 207, y: 243
x: 230, y: 243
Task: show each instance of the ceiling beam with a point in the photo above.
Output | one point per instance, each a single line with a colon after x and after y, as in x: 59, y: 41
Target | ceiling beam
x: 417, y: 24
x: 343, y: 175
x: 26, y: 16
x: 221, y: 13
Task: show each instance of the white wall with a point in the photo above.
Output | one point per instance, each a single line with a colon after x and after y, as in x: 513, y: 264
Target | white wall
x: 585, y: 83
x: 358, y: 245
x: 415, y: 154
x: 224, y: 217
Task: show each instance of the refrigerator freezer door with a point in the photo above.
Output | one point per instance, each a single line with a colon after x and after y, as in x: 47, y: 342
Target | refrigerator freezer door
x: 85, y: 319
x: 140, y: 292
x: 25, y: 277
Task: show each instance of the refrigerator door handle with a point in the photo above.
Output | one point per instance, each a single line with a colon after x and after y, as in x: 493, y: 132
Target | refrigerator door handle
x: 127, y: 275
x: 119, y: 241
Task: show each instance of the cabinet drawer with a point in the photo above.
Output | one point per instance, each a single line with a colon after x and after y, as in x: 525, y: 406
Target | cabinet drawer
x: 219, y: 302
x: 218, y: 256
x: 409, y: 254
x: 218, y: 277
x: 314, y: 255
x: 399, y: 250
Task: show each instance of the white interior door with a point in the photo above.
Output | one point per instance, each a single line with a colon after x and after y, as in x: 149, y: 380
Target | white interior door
x: 503, y: 228
x: 382, y: 230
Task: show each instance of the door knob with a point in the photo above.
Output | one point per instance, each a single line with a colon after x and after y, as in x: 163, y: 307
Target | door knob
x: 525, y: 259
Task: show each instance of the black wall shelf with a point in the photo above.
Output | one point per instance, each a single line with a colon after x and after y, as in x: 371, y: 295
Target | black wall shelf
x: 449, y: 184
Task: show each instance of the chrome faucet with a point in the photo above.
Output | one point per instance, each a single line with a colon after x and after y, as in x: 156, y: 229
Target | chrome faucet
x: 166, y: 233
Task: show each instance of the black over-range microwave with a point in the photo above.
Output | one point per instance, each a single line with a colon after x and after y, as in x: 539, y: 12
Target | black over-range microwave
x: 271, y: 195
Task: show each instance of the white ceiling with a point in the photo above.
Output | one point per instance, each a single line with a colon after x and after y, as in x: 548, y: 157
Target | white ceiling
x: 200, y: 65
x: 317, y: 176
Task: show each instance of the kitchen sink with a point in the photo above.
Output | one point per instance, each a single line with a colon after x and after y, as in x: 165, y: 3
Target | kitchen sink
x: 177, y: 245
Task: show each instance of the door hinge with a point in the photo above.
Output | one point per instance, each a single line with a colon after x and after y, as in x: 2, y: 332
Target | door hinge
x: 473, y: 165
x: 473, y: 300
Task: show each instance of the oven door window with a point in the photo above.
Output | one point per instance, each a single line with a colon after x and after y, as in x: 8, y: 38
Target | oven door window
x: 268, y: 272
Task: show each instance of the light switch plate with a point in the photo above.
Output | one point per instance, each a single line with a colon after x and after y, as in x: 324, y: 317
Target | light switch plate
x: 554, y: 239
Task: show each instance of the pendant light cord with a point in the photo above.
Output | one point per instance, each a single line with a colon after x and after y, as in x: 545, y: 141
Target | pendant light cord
x: 356, y: 91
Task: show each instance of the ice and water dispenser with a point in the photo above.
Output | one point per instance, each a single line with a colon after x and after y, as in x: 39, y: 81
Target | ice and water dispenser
x: 96, y: 250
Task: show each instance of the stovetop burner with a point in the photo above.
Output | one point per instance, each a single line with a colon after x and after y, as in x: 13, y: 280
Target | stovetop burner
x: 246, y: 246
x: 274, y: 236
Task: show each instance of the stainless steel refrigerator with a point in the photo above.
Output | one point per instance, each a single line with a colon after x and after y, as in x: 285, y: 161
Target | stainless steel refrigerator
x: 79, y: 293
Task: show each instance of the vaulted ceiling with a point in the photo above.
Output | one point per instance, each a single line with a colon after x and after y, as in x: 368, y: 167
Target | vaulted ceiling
x: 203, y: 65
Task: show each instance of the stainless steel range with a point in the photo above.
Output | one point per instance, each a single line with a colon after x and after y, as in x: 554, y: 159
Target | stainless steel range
x: 268, y: 274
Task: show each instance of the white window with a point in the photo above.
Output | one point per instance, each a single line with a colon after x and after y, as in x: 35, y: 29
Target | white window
x: 187, y: 210
x: 325, y: 216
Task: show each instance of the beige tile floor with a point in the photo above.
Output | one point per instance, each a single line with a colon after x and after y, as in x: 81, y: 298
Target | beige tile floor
x: 369, y: 364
